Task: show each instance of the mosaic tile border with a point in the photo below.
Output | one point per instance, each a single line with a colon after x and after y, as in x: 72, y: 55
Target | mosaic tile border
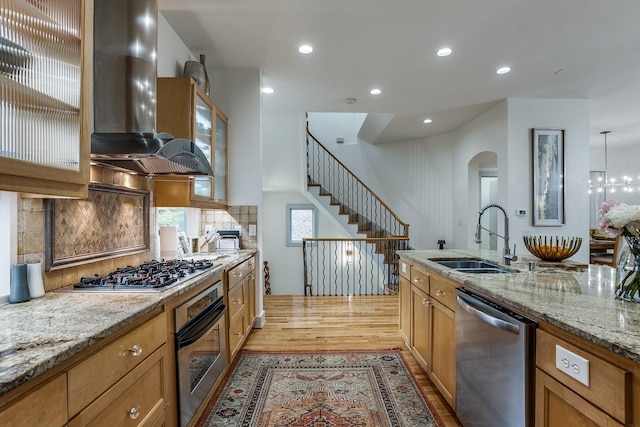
x: 112, y: 222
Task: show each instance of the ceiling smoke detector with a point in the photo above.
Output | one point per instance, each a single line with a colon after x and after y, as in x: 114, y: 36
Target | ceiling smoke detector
x: 350, y: 100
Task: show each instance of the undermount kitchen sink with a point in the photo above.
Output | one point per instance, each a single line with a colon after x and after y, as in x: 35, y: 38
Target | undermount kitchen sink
x: 475, y: 266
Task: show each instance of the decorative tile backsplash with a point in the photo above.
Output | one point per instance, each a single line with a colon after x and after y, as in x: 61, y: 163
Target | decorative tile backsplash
x: 228, y: 219
x: 31, y: 233
x: 112, y: 221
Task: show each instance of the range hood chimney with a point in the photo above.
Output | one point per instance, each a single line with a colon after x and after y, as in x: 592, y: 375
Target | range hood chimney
x: 124, y: 95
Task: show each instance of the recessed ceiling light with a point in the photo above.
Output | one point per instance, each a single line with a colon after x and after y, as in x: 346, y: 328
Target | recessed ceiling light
x: 427, y: 121
x: 503, y: 70
x: 445, y: 51
x: 305, y: 48
x: 267, y: 90
x: 375, y: 92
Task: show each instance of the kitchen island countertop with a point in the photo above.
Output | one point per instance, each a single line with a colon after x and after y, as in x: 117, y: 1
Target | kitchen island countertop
x: 581, y: 301
x: 39, y: 334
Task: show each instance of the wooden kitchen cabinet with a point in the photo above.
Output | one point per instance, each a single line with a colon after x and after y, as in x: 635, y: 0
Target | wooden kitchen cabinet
x: 558, y: 406
x: 45, y: 89
x: 404, y: 301
x: 421, y: 327
x: 560, y: 398
x: 185, y: 111
x: 443, y: 350
x: 240, y: 290
x: 430, y: 307
x: 44, y: 406
x: 124, y: 382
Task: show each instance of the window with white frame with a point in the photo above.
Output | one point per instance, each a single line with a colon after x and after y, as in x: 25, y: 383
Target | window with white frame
x: 302, y: 222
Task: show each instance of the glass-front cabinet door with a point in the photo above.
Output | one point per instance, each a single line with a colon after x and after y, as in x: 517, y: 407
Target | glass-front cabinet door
x: 185, y: 111
x: 204, y: 128
x: 220, y: 165
x: 45, y: 96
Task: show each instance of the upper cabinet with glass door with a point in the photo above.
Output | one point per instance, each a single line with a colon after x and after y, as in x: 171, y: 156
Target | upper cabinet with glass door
x: 221, y: 166
x: 185, y: 111
x: 45, y: 96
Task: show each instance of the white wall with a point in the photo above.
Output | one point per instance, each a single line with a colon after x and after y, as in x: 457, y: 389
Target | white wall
x: 172, y: 52
x: 413, y: 177
x: 573, y: 117
x: 285, y: 263
x: 486, y: 133
x: 284, y: 158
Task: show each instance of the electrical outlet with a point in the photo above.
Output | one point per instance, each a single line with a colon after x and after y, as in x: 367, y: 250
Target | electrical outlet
x: 252, y: 229
x: 577, y: 367
x: 238, y: 228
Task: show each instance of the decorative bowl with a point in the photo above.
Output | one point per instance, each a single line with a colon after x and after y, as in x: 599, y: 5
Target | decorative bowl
x: 552, y: 248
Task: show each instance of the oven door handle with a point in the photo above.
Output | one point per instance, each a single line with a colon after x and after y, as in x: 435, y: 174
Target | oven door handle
x: 192, y: 333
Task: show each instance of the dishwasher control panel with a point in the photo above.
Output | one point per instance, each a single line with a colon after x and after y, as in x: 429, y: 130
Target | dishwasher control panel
x: 577, y: 367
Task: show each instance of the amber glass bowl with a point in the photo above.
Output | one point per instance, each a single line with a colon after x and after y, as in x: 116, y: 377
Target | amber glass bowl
x: 552, y: 248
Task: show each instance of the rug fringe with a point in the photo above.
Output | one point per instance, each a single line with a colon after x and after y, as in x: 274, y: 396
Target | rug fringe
x: 361, y: 351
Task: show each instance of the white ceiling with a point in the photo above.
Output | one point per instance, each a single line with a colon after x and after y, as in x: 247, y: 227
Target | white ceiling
x: 573, y: 49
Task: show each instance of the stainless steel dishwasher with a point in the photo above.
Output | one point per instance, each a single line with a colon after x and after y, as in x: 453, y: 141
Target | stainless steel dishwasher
x: 494, y: 363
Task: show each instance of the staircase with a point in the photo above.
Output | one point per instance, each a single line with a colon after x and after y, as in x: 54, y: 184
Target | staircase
x: 376, y: 230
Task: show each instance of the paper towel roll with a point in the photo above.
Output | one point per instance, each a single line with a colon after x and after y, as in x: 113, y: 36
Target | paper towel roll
x: 168, y: 242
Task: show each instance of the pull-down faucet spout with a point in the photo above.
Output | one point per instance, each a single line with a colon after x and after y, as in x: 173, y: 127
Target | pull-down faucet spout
x: 507, y: 255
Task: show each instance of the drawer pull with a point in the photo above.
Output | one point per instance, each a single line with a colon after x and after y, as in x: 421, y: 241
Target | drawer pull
x: 238, y: 334
x: 134, y: 412
x: 439, y: 292
x: 135, y: 350
x: 417, y: 280
x: 425, y: 302
x: 237, y: 301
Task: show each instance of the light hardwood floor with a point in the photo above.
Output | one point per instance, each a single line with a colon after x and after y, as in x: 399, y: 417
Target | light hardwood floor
x: 339, y: 323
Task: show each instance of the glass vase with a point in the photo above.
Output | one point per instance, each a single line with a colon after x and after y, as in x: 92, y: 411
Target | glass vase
x: 628, y: 275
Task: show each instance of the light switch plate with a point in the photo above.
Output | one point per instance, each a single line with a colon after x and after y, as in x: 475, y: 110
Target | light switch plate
x: 577, y: 367
x: 252, y: 229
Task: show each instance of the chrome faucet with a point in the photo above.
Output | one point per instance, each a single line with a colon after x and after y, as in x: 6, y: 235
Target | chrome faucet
x: 507, y: 256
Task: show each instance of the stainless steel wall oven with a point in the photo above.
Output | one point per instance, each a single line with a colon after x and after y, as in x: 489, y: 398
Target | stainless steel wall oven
x: 200, y: 347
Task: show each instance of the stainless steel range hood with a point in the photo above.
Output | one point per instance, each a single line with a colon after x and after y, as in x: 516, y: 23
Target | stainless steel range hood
x: 124, y: 95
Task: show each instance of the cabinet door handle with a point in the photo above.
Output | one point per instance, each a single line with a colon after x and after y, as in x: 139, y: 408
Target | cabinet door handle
x: 417, y: 280
x: 237, y: 301
x: 134, y: 412
x: 238, y: 334
x: 135, y: 350
x: 425, y: 302
x: 439, y: 292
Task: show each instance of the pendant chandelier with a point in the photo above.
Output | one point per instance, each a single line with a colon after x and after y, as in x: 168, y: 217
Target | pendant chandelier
x: 606, y: 184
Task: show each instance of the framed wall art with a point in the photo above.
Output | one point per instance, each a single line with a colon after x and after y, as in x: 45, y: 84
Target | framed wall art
x: 548, y: 177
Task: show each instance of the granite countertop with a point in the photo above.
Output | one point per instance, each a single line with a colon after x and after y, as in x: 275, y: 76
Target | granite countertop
x: 39, y: 334
x: 580, y: 301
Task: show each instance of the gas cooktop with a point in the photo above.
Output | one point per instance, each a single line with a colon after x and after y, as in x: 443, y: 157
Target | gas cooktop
x: 150, y: 276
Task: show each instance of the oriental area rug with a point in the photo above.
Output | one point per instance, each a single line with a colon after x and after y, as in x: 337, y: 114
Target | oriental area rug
x: 320, y: 389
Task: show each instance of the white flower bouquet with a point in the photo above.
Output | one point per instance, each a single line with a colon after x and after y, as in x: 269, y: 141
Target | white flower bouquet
x: 623, y: 219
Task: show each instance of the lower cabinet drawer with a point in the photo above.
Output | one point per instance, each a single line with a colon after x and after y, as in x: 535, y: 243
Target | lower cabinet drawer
x: 138, y: 399
x: 235, y: 300
x: 443, y: 291
x: 609, y: 385
x: 236, y: 334
x: 44, y: 406
x: 96, y: 374
x: 420, y: 279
